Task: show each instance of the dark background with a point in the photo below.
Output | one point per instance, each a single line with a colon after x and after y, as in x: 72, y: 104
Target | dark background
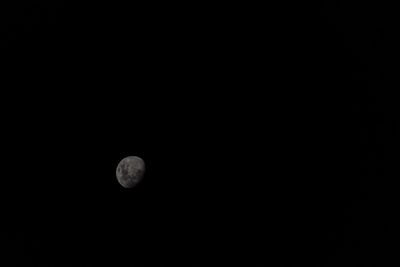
x: 268, y: 134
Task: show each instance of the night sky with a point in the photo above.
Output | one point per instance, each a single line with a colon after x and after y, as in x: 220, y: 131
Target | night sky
x: 269, y: 134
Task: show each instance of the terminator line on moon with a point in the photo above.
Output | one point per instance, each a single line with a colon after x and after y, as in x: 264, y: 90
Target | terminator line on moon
x: 130, y: 171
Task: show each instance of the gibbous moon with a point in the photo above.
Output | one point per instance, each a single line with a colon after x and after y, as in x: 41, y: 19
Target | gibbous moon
x: 130, y: 171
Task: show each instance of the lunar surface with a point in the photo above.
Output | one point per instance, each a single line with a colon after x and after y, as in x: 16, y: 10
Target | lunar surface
x: 130, y: 171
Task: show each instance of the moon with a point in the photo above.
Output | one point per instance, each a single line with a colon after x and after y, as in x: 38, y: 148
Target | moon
x: 130, y: 171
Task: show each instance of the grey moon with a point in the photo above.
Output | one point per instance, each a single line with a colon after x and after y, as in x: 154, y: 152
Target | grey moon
x: 130, y: 171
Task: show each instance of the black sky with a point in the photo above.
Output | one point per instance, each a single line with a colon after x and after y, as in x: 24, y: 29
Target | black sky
x: 268, y: 134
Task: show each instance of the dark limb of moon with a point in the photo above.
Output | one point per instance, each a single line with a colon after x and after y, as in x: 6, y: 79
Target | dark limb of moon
x: 130, y: 171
